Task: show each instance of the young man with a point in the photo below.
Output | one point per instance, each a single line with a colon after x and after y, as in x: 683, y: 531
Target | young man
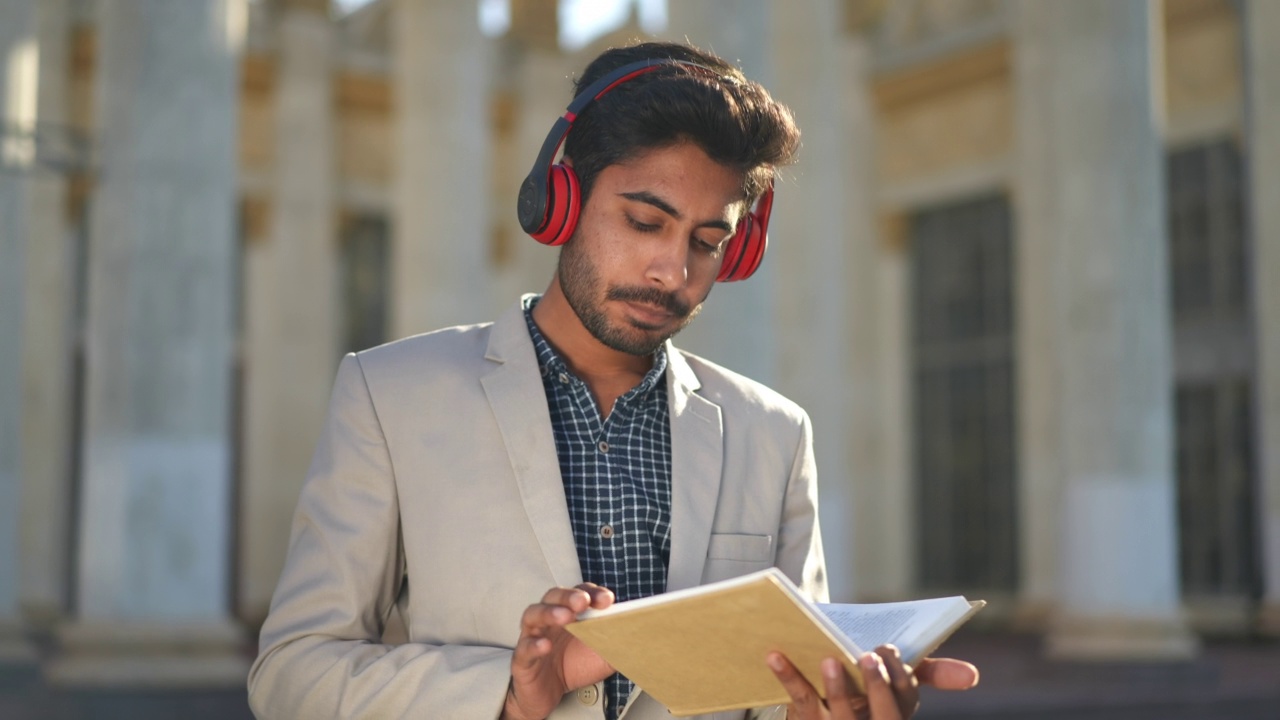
x: 568, y: 445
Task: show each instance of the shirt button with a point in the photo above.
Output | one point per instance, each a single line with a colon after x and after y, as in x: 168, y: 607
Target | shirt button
x: 588, y: 695
x: 564, y: 379
x: 604, y: 446
x: 606, y: 532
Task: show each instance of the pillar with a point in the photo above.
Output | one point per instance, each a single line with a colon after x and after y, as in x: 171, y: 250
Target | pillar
x: 440, y: 222
x: 47, y: 338
x: 737, y: 325
x: 18, y: 77
x: 152, y: 576
x: 877, y: 385
x: 540, y: 92
x: 291, y: 322
x: 812, y: 224
x: 1118, y: 584
x: 1036, y: 185
x: 1262, y: 46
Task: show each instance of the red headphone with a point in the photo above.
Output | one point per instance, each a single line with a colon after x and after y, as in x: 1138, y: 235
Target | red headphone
x: 550, y: 199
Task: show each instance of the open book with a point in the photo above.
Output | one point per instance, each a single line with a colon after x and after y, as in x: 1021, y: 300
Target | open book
x: 703, y: 649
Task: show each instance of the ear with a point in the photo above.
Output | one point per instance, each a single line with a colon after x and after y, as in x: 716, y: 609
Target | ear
x: 566, y: 161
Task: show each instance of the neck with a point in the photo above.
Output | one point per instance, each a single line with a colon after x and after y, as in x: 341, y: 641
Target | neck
x: 608, y: 373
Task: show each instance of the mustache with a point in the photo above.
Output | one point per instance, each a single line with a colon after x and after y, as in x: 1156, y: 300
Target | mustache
x: 651, y: 296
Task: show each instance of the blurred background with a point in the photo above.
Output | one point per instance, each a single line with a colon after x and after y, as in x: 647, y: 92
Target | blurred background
x: 1025, y: 278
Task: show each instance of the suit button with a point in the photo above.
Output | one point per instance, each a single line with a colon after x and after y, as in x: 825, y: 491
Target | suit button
x: 588, y: 695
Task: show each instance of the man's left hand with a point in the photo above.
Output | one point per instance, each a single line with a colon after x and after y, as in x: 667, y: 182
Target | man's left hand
x: 892, y: 687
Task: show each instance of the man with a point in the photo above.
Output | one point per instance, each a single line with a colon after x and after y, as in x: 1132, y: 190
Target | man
x: 568, y: 445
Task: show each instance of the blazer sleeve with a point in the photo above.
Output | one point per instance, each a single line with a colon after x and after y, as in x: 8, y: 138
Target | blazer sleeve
x: 320, y: 648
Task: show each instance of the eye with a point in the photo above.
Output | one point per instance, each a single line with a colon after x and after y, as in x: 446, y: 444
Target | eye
x: 712, y: 249
x: 640, y: 226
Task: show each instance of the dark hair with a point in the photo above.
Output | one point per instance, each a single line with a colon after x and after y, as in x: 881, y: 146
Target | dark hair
x: 733, y: 120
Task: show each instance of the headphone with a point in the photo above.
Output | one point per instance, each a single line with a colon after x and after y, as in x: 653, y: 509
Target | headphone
x: 550, y: 197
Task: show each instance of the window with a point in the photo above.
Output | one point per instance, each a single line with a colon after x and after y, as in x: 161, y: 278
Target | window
x: 1213, y: 370
x: 961, y: 274
x: 365, y: 280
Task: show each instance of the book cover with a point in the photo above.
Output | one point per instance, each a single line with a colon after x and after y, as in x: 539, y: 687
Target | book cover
x: 703, y: 649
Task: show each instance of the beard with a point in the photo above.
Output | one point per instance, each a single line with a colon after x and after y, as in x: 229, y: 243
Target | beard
x: 582, y: 288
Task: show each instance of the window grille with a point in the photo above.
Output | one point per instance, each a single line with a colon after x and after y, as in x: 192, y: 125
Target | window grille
x: 365, y: 282
x: 961, y: 275
x: 1213, y: 365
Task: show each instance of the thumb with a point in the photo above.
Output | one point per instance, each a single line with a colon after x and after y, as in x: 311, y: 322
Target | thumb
x: 946, y: 673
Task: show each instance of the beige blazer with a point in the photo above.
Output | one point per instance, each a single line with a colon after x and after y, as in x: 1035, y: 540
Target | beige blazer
x: 435, y: 490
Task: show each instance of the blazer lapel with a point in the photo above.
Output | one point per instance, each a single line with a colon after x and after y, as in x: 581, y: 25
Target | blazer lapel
x: 519, y: 404
x: 697, y: 459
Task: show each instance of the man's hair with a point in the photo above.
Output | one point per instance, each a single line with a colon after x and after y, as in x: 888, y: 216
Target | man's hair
x: 732, y: 119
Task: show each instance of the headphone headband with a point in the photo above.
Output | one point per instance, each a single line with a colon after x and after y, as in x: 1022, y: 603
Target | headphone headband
x: 533, y: 192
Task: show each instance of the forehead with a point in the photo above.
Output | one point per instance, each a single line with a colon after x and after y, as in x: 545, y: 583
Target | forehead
x: 682, y: 174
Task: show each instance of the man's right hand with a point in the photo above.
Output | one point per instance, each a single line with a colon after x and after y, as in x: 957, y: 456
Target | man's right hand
x: 548, y: 660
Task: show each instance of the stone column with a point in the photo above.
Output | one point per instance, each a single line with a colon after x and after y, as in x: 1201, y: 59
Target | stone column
x: 291, y: 343
x: 1262, y: 43
x: 542, y: 90
x: 1118, y: 584
x: 814, y: 219
x: 737, y: 326
x: 876, y: 385
x: 18, y: 77
x: 440, y: 228
x: 46, y: 343
x: 1036, y: 187
x: 153, y: 571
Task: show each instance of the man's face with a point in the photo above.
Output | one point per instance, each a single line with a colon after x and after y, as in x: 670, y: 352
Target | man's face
x: 648, y: 246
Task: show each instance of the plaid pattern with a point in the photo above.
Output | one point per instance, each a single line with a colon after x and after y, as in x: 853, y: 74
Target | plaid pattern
x: 617, y: 481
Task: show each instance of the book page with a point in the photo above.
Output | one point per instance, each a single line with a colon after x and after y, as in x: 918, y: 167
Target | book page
x: 870, y: 626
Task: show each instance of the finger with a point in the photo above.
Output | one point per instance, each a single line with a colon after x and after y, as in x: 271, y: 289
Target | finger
x: 884, y: 705
x: 538, y: 619
x: 901, y: 679
x: 946, y: 673
x: 843, y: 700
x: 598, y: 597
x: 529, y: 651
x: 805, y: 702
x: 574, y: 598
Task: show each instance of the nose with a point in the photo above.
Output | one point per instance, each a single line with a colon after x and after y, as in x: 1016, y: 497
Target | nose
x: 669, y: 264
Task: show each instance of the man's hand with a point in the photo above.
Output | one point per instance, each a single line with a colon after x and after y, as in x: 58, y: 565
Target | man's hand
x: 549, y: 661
x: 892, y: 686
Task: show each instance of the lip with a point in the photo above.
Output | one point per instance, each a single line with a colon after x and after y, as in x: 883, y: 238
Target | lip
x: 648, y: 314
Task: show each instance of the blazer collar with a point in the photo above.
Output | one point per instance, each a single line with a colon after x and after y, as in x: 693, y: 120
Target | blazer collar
x: 514, y: 389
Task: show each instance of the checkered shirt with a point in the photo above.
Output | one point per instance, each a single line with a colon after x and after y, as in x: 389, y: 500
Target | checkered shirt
x: 617, y: 481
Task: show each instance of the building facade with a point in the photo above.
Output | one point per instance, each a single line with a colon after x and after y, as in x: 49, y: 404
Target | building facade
x: 1022, y: 278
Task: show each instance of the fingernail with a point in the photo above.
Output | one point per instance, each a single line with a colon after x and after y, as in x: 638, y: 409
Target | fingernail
x: 775, y: 661
x: 831, y: 668
x: 874, y: 669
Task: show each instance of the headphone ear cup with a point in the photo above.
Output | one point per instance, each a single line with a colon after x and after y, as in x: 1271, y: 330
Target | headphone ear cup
x: 744, y: 252
x: 757, y: 241
x: 733, y: 251
x: 564, y: 202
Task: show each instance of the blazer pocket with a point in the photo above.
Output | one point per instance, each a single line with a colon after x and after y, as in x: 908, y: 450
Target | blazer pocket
x: 743, y: 548
x: 730, y: 555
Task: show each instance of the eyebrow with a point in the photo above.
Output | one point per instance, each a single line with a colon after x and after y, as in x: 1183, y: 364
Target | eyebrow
x: 649, y: 198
